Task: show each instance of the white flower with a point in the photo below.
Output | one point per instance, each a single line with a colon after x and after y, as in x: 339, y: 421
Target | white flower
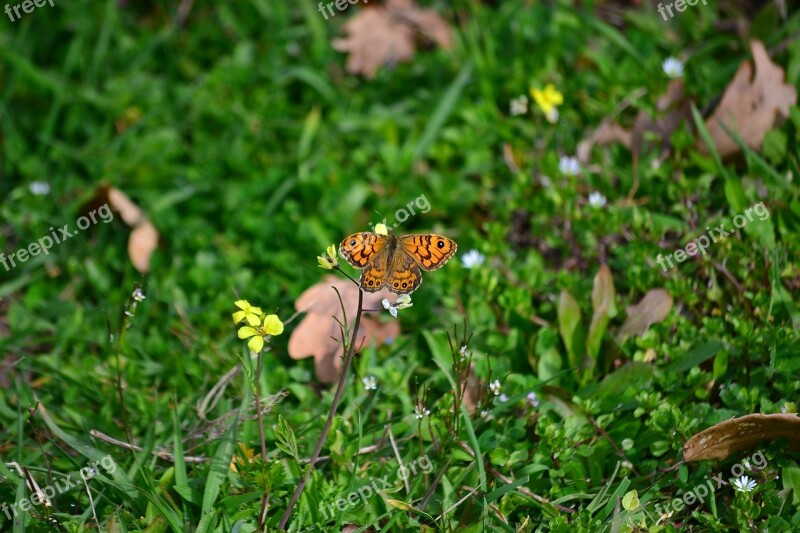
x: 519, y: 106
x: 744, y: 484
x: 596, y: 199
x: 402, y: 302
x: 494, y: 387
x: 392, y: 309
x: 370, y: 383
x: 464, y: 353
x: 672, y: 67
x: 545, y: 180
x: 138, y: 295
x: 472, y: 259
x: 419, y: 412
x: 502, y: 398
x: 569, y: 166
x: 39, y: 188
x: 532, y: 400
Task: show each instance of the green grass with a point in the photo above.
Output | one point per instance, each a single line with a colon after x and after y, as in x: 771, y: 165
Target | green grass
x: 251, y: 150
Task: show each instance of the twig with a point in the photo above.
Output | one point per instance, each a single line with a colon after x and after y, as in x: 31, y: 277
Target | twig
x: 348, y: 359
x: 265, y: 497
x: 160, y: 454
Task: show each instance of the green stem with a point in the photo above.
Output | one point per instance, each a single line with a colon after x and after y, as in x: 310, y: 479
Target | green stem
x: 348, y: 359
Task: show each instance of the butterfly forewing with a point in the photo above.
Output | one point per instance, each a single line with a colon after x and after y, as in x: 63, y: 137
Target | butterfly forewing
x: 430, y: 251
x: 360, y: 248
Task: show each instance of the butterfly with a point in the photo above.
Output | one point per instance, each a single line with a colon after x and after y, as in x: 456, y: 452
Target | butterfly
x: 393, y: 262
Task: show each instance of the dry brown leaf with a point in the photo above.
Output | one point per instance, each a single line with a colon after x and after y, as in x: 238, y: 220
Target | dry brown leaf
x: 652, y: 309
x: 141, y: 245
x: 312, y: 337
x: 144, y: 237
x: 473, y: 391
x: 130, y: 212
x: 721, y: 440
x: 751, y: 104
x: 385, y: 34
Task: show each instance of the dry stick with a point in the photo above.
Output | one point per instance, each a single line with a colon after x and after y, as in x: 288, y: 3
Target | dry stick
x: 348, y: 358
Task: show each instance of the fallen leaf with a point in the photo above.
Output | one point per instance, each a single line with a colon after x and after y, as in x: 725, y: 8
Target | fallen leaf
x: 141, y: 244
x: 652, y: 309
x: 385, y: 34
x: 143, y: 239
x: 319, y: 335
x: 751, y: 104
x: 721, y: 440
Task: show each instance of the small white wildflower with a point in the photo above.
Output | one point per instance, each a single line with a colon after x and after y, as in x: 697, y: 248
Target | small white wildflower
x: 39, y: 188
x: 744, y: 484
x: 569, y: 166
x: 464, y: 353
x: 472, y: 259
x: 392, y: 309
x: 370, y: 383
x: 502, y: 398
x: 672, y: 67
x: 545, y: 181
x: 494, y: 387
x: 532, y: 399
x: 138, y: 295
x: 597, y: 200
x: 421, y: 412
x: 402, y: 302
x: 519, y: 106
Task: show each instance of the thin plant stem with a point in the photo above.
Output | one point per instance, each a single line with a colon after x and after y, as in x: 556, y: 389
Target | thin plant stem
x: 348, y: 359
x: 257, y: 386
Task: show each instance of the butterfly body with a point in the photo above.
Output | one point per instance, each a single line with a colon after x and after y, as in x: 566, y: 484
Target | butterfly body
x: 393, y: 262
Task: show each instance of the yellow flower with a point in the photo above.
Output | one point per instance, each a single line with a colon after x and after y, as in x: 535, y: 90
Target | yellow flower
x: 252, y: 314
x: 547, y: 100
x: 329, y: 260
x: 272, y: 325
x: 380, y: 229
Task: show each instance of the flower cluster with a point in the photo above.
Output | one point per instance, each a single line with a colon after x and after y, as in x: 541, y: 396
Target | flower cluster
x: 260, y: 325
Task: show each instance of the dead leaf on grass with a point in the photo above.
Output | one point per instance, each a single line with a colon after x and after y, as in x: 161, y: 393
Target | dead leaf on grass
x: 386, y: 34
x: 652, y: 309
x: 751, y: 104
x: 313, y: 336
x: 143, y: 239
x: 721, y: 440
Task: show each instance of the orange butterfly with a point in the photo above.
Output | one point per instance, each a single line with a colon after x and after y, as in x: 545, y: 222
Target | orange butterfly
x: 395, y: 262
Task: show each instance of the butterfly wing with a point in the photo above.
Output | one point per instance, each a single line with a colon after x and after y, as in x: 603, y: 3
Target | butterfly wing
x: 404, y: 275
x: 428, y: 250
x: 360, y: 248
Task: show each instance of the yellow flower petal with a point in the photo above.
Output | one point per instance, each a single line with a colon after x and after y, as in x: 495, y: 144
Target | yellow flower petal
x: 246, y: 331
x: 256, y: 310
x: 380, y: 229
x: 256, y: 343
x: 238, y: 316
x: 253, y: 320
x: 331, y: 251
x: 272, y: 325
x: 553, y: 95
x: 242, y: 304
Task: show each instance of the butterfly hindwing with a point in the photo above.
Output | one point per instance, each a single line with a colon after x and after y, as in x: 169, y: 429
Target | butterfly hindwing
x: 404, y: 275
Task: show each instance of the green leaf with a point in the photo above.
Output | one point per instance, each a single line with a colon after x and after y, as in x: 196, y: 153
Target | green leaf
x: 791, y: 480
x: 286, y: 440
x: 631, y: 501
x: 696, y: 357
x: 603, y: 295
x: 569, y: 316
